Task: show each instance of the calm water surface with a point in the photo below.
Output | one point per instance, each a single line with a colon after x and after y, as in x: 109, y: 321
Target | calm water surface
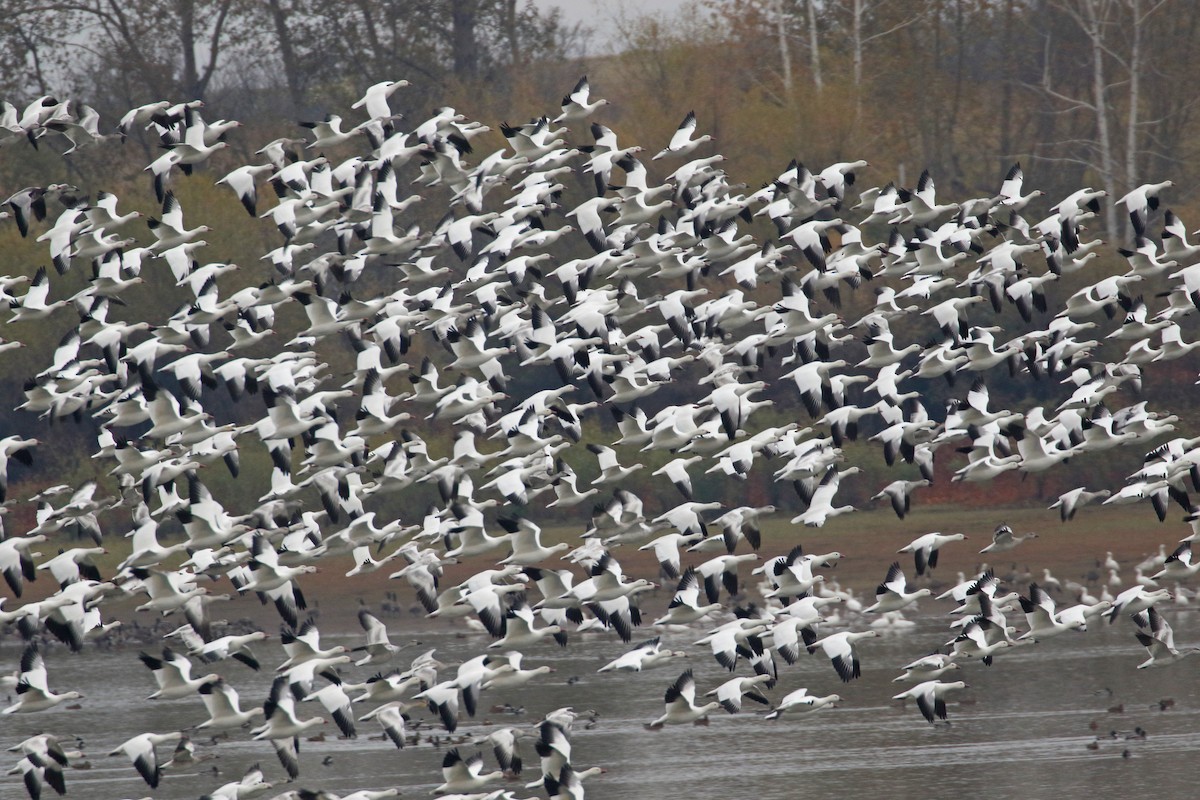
x: 1022, y: 729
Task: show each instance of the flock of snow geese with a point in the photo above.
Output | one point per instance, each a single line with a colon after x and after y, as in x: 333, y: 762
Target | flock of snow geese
x: 637, y: 287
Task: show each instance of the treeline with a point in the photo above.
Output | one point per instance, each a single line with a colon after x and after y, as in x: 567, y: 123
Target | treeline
x: 1081, y: 91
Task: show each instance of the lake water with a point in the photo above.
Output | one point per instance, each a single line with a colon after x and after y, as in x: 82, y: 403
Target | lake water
x: 1022, y: 729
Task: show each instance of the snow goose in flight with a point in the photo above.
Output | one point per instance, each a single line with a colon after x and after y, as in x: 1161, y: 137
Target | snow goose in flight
x: 1135, y: 599
x: 722, y: 571
x: 1175, y: 243
x: 328, y: 132
x: 251, y: 784
x: 1041, y: 617
x: 575, y: 106
x: 881, y: 349
x: 611, y: 470
x: 1071, y: 501
x: 375, y: 100
x: 920, y: 205
x: 81, y: 131
x: 336, y: 702
x: 894, y: 593
x: 681, y: 708
x: 567, y: 783
x: 32, y: 306
x: 685, y: 607
x: 378, y: 648
x: 732, y: 639
x: 1140, y: 201
x: 520, y: 630
x: 304, y: 645
x: 33, y: 692
x: 16, y: 562
x: 173, y: 674
x: 676, y: 471
x: 462, y: 775
x: 926, y: 668
x: 242, y: 182
x: 1003, y: 539
x: 510, y: 675
x: 730, y: 693
x: 790, y: 575
x: 931, y: 697
x: 1010, y: 196
x: 840, y: 649
x: 1155, y: 634
x: 282, y: 727
x: 1179, y: 565
x: 820, y: 501
x: 835, y: 178
x: 973, y: 593
x: 647, y: 655
x: 925, y: 548
x: 682, y: 143
x: 980, y: 638
x: 72, y: 565
x: 666, y: 551
x: 1073, y: 209
x: 900, y: 493
x: 801, y: 701
x: 525, y: 538
x: 168, y: 591
x: 224, y: 711
x: 31, y: 202
x: 1088, y: 609
x: 43, y: 760
x: 391, y: 717
x: 266, y: 572
x: 168, y: 228
x: 141, y: 751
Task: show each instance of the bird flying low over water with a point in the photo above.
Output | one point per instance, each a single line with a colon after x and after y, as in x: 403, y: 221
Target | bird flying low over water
x: 541, y: 379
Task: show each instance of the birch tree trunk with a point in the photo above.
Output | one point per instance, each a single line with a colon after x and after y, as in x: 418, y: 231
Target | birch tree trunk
x: 785, y: 54
x: 1131, y: 123
x: 814, y: 49
x: 1094, y: 29
x: 287, y: 54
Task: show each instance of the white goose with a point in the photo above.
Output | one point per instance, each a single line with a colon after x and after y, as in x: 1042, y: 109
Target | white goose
x: 925, y: 548
x: 224, y: 711
x: 173, y: 674
x: 682, y: 143
x: 647, y: 655
x: 681, y: 707
x: 462, y: 775
x: 141, y: 751
x: 931, y: 697
x: 730, y: 693
x: 282, y: 727
x: 33, y: 692
x: 1003, y: 539
x: 801, y: 701
x: 839, y: 648
x: 895, y: 593
x: 926, y: 668
x: 1154, y: 633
